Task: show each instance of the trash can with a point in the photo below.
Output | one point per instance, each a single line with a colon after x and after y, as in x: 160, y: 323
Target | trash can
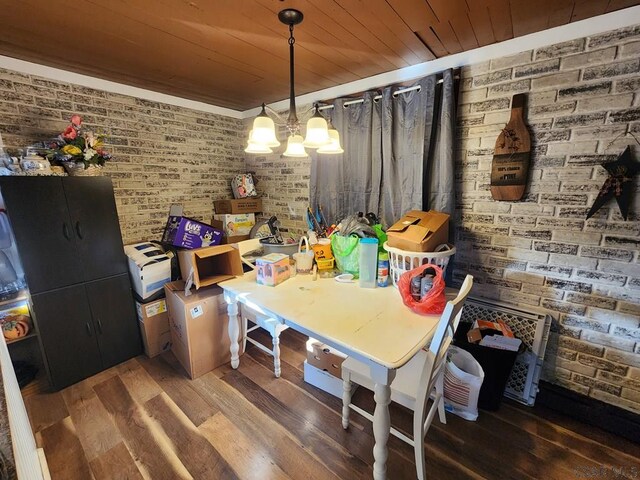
x: 496, y: 363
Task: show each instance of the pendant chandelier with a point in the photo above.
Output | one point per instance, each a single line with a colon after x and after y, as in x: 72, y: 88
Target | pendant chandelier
x: 319, y: 134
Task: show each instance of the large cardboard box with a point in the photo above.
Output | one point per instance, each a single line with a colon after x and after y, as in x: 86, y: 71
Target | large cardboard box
x: 199, y: 328
x: 210, y: 265
x: 153, y: 320
x: 419, y: 231
x: 325, y: 358
x: 240, y: 205
x: 189, y: 233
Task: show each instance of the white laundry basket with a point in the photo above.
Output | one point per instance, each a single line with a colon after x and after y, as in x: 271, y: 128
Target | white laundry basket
x: 401, y: 261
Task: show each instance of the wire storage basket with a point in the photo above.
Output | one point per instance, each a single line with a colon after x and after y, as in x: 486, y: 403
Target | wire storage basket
x: 401, y: 261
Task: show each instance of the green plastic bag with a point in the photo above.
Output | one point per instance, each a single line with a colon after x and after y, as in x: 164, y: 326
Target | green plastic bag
x: 346, y: 250
x: 382, y: 237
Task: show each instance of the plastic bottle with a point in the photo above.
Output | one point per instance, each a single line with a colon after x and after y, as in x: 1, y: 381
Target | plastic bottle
x: 425, y: 285
x: 415, y: 287
x: 368, y: 262
x: 383, y: 269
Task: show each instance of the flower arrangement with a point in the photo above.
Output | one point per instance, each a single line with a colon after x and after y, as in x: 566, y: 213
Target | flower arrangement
x: 75, y: 145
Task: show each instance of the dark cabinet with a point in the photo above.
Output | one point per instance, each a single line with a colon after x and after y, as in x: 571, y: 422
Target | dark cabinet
x: 68, y: 334
x: 41, y: 224
x: 69, y: 242
x: 92, y: 210
x: 114, y: 320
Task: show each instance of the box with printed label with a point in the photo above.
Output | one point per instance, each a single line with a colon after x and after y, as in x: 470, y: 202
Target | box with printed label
x: 153, y: 321
x: 236, y: 224
x: 199, y: 328
x: 239, y: 205
x: 189, y: 233
x: 272, y: 269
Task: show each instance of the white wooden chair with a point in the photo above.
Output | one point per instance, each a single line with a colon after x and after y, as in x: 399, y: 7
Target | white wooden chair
x: 417, y: 381
x: 246, y: 313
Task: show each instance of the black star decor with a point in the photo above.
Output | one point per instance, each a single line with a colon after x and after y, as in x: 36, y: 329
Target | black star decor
x: 619, y: 184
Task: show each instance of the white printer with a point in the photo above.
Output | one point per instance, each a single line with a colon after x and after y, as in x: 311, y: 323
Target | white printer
x: 150, y: 268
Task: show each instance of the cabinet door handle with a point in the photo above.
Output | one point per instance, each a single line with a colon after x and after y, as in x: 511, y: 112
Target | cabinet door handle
x: 65, y: 231
x: 79, y: 230
x: 99, y: 326
x: 88, y: 328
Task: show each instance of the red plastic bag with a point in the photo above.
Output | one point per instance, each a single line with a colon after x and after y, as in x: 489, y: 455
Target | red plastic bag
x: 434, y: 301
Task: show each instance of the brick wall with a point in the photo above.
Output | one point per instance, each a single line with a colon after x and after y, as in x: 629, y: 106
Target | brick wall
x: 540, y: 251
x: 163, y: 154
x: 283, y: 184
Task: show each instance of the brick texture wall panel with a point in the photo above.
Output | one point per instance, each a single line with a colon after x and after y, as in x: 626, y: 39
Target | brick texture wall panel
x: 582, y: 94
x: 162, y: 154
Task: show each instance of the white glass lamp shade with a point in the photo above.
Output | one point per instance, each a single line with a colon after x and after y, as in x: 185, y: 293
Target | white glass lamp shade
x: 334, y: 143
x: 317, y: 132
x: 257, y: 148
x: 295, y: 147
x: 264, y: 132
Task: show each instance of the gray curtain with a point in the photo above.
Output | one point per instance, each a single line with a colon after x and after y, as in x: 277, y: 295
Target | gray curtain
x: 350, y: 182
x: 398, y: 154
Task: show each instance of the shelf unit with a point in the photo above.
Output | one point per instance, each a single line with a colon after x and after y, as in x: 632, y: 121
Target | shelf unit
x: 20, y: 339
x: 22, y: 297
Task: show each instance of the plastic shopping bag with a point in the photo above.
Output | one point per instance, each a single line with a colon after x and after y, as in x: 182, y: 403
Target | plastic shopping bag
x: 463, y: 378
x: 434, y: 301
x: 346, y: 250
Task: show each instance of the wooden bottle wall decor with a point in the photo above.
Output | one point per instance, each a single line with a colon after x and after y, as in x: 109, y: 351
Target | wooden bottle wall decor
x: 510, y: 165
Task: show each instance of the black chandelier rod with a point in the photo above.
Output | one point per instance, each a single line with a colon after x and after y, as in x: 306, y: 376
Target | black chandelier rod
x: 292, y: 121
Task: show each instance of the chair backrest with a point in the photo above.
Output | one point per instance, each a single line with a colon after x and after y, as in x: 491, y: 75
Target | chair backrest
x: 440, y: 343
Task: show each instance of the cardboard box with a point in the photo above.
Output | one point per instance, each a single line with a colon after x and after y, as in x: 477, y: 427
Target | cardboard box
x: 153, y: 320
x: 228, y: 240
x: 419, y: 231
x: 325, y: 358
x: 239, y: 205
x: 234, y: 239
x: 272, y: 269
x: 236, y: 223
x: 199, y: 328
x: 210, y: 265
x: 189, y: 233
x: 324, y: 380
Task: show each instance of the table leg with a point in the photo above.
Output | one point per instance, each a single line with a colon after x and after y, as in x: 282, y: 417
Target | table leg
x: 381, y: 429
x: 276, y: 354
x: 234, y: 331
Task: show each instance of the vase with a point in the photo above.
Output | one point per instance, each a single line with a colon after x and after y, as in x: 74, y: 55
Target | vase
x: 77, y: 170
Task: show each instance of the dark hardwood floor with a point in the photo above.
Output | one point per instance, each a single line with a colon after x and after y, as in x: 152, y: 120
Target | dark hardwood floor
x: 146, y: 419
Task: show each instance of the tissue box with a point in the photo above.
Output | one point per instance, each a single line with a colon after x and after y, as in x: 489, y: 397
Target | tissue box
x: 272, y: 269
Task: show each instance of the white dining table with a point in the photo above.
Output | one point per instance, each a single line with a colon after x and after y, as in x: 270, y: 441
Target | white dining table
x: 370, y: 324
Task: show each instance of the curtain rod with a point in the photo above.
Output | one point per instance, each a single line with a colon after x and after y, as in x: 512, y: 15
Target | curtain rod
x: 378, y: 97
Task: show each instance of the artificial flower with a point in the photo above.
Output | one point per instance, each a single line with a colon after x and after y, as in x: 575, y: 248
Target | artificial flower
x: 77, y: 146
x: 89, y: 153
x: 71, y: 150
x: 70, y: 133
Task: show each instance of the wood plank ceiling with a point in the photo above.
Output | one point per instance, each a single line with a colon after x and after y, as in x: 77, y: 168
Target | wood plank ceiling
x: 234, y: 53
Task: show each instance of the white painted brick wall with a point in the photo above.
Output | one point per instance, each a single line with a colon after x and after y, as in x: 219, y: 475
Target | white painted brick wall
x: 162, y: 154
x: 582, y: 94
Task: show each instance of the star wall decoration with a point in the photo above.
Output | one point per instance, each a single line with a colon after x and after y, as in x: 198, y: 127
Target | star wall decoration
x: 619, y: 184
